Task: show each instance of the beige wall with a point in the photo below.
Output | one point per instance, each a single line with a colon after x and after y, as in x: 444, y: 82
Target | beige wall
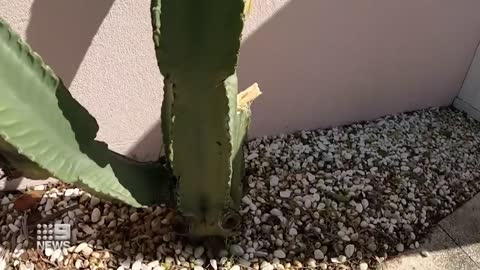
x: 318, y: 62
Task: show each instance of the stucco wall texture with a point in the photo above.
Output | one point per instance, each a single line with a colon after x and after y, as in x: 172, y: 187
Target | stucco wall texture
x: 319, y: 63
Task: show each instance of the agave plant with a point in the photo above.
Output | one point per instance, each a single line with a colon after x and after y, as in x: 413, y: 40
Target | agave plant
x: 45, y: 132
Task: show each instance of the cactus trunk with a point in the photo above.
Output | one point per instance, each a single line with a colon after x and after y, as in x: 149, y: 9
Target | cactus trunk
x: 204, y: 130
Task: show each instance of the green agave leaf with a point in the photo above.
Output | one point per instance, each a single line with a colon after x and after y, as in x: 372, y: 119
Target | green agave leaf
x: 43, y: 129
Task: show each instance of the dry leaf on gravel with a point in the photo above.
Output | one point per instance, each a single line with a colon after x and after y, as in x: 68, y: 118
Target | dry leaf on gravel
x: 28, y: 200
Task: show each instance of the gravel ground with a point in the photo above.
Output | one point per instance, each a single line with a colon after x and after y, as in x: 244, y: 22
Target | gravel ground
x: 341, y: 198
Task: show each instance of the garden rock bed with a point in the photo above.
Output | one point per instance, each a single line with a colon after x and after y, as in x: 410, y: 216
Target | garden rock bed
x: 340, y: 198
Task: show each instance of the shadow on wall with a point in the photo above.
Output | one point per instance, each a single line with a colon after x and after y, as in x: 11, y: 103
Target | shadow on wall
x: 345, y: 61
x: 326, y: 63
x: 338, y: 62
x: 61, y: 31
x: 147, y: 147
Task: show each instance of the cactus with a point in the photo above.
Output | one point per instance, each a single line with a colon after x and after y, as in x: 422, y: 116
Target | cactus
x: 196, y: 48
x: 45, y: 132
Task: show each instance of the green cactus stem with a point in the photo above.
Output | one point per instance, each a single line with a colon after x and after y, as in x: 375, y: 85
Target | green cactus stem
x: 197, y: 44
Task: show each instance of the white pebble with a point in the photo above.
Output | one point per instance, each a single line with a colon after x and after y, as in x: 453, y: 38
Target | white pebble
x: 48, y: 205
x: 48, y: 251
x: 349, y: 250
x: 13, y: 228
x: 365, y: 203
x: 363, y: 266
x: 266, y: 266
x: 417, y: 170
x: 71, y: 192
x: 95, y: 216
x: 213, y: 264
x: 311, y: 263
x: 293, y: 232
x: 84, y: 197
x: 79, y: 264
x: 87, y: 251
x: 236, y: 250
x: 335, y: 260
x: 56, y: 255
x: 318, y: 254
x: 87, y: 229
x: 5, y: 200
x: 134, y: 217
x: 94, y: 201
x: 274, y: 180
x: 359, y: 207
x: 80, y: 247
x: 198, y: 252
x: 276, y: 212
x: 39, y: 187
x: 285, y: 193
x: 247, y: 200
x: 153, y: 263
x: 169, y: 260
x: 424, y: 253
x: 321, y: 206
x: 20, y: 238
x: 307, y: 202
x: 137, y: 265
x: 280, y: 254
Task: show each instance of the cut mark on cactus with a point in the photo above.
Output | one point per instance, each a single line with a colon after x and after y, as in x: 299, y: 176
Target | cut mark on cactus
x: 247, y: 96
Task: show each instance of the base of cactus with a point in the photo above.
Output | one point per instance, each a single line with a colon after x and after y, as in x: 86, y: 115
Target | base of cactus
x: 213, y: 238
x: 226, y: 226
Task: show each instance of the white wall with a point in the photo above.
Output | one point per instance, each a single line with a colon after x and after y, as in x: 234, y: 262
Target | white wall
x: 318, y: 62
